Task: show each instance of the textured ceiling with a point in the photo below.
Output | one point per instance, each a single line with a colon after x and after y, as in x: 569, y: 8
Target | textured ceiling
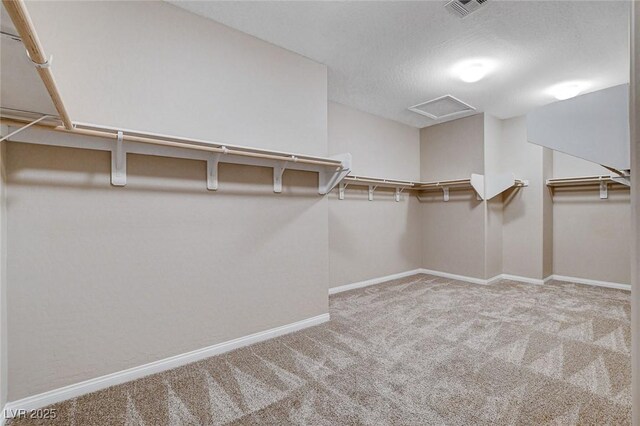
x: 384, y: 57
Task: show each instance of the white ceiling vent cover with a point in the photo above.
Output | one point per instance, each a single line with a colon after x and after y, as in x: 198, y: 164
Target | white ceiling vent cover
x: 462, y: 8
x: 441, y: 107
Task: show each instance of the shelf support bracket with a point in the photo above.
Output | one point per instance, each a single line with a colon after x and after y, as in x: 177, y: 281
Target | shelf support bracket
x: 119, y: 162
x: 604, y: 190
x: 278, y: 171
x: 445, y: 191
x: 212, y: 172
x: 328, y: 179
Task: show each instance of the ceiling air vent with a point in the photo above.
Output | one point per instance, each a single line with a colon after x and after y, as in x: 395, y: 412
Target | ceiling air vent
x: 462, y: 8
x: 441, y: 107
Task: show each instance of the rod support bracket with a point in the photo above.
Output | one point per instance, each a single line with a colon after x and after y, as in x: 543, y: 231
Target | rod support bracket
x: 43, y: 65
x: 604, y: 190
x: 445, y: 193
x: 398, y: 192
x: 119, y: 162
x: 212, y: 172
x: 278, y: 171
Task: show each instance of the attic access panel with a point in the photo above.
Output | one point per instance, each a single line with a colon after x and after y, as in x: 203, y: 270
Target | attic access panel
x: 444, y: 106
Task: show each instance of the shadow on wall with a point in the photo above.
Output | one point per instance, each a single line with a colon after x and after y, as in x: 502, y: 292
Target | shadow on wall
x: 455, y: 196
x: 87, y: 169
x: 369, y: 239
x: 590, y: 195
x: 512, y: 198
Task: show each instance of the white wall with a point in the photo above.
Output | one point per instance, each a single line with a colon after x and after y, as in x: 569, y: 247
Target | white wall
x: 103, y: 278
x: 526, y: 232
x: 494, y: 214
x: 591, y: 237
x: 3, y: 278
x: 370, y: 239
x: 634, y: 119
x: 453, y: 238
x: 572, y: 233
x: 155, y: 67
x: 523, y: 211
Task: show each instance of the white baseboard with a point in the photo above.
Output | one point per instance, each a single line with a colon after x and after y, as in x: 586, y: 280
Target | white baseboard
x: 373, y: 281
x: 92, y: 385
x: 473, y: 280
x: 488, y: 281
x: 457, y: 277
x: 536, y: 281
x: 597, y: 283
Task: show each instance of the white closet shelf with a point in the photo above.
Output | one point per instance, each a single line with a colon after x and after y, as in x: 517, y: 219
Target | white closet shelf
x: 602, y: 181
x: 122, y: 141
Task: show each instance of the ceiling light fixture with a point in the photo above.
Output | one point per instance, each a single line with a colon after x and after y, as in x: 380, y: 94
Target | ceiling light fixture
x: 475, y: 69
x: 472, y: 73
x: 567, y: 90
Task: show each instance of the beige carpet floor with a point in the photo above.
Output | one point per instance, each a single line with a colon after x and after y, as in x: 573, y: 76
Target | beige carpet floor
x: 417, y: 351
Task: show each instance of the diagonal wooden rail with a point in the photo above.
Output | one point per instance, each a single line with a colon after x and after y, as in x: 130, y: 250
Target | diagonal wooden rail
x: 17, y: 10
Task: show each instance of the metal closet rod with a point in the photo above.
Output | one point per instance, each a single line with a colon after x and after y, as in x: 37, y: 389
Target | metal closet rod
x: 581, y: 180
x: 18, y: 13
x: 442, y: 183
x: 366, y: 180
x: 411, y: 185
x: 195, y: 144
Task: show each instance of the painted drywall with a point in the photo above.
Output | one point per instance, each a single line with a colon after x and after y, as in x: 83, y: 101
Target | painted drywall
x: 103, y: 278
x: 634, y: 120
x: 162, y: 69
x: 523, y: 226
x: 453, y: 232
x: 591, y: 236
x: 3, y: 277
x: 566, y: 231
x: 547, y: 215
x: 370, y: 239
x: 380, y: 147
x: 494, y: 214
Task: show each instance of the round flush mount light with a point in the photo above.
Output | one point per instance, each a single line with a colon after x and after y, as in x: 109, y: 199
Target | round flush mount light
x: 473, y: 70
x: 567, y: 90
x: 472, y: 73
